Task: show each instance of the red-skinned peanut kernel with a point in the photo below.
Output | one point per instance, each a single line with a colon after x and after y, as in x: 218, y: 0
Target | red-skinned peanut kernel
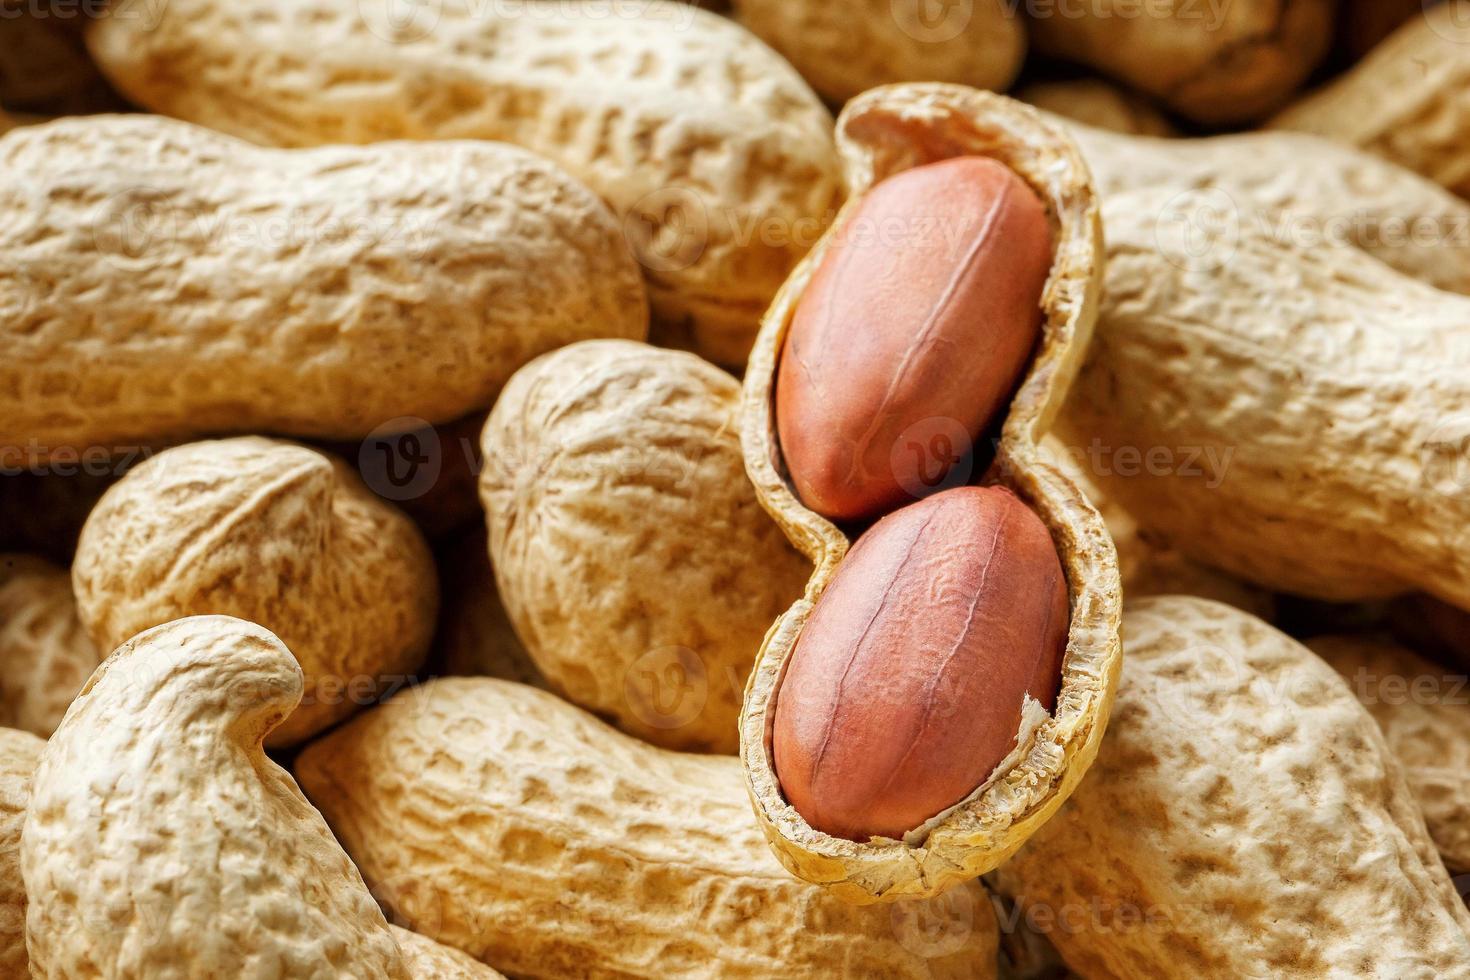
x: 907, y: 684
x: 922, y: 315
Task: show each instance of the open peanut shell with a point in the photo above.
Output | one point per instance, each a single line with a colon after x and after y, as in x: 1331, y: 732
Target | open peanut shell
x: 881, y: 133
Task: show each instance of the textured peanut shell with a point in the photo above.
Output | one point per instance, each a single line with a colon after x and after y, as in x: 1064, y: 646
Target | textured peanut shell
x: 428, y: 960
x: 160, y: 840
x: 1407, y: 101
x: 275, y: 533
x: 712, y: 149
x: 159, y: 280
x: 1215, y: 63
x: 881, y: 133
x: 1243, y: 819
x: 1308, y: 398
x: 1274, y: 180
x: 844, y: 48
x: 501, y: 820
x: 631, y: 554
x: 1424, y: 711
x: 45, y: 654
x: 20, y: 753
x: 475, y: 637
x: 1097, y: 103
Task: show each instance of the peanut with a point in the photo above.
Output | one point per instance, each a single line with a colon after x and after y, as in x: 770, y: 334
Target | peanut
x: 160, y: 280
x: 1424, y: 711
x: 428, y: 960
x: 1096, y: 103
x: 711, y: 149
x: 965, y: 589
x: 1290, y: 183
x: 1244, y: 818
x: 1304, y: 399
x: 880, y: 134
x: 1406, y: 101
x: 500, y: 820
x: 1215, y: 64
x: 631, y: 553
x: 161, y: 841
x: 843, y: 49
x: 892, y: 335
x: 20, y: 753
x: 45, y: 654
x: 276, y: 533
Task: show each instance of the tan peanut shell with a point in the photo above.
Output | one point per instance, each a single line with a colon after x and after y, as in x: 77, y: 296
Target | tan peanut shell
x: 713, y: 150
x: 632, y: 556
x: 1097, y: 103
x: 162, y: 281
x: 1214, y: 63
x: 1407, y: 101
x: 161, y: 841
x: 45, y: 653
x: 1424, y: 711
x: 20, y: 753
x: 1292, y: 413
x: 881, y: 133
x: 1243, y: 819
x: 501, y: 820
x: 428, y: 960
x: 1291, y: 184
x: 276, y: 533
x: 475, y: 637
x: 846, y: 47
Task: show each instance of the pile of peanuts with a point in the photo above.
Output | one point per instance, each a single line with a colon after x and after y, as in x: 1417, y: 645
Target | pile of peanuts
x: 570, y: 489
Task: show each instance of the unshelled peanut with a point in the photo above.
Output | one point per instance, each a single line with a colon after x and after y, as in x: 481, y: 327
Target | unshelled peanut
x: 159, y: 280
x: 925, y: 306
x: 45, y: 653
x: 1096, y: 103
x: 907, y: 687
x: 1424, y: 711
x: 1407, y: 101
x: 1244, y: 818
x: 276, y: 533
x: 1213, y: 63
x: 712, y: 150
x: 501, y: 820
x: 1287, y: 413
x: 634, y: 560
x: 20, y: 753
x: 161, y: 841
x: 849, y: 46
x: 906, y: 133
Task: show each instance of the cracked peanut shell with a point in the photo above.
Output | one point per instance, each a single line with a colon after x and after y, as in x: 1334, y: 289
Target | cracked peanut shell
x: 712, y: 150
x: 159, y: 281
x: 1244, y: 819
x: 881, y: 133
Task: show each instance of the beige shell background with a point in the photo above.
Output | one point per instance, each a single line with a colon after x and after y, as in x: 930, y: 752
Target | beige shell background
x: 155, y: 811
x: 1306, y: 400
x: 1244, y: 818
x: 881, y: 133
x: 501, y: 820
x: 162, y: 280
x: 713, y: 150
x: 274, y: 533
x: 20, y: 753
x: 844, y: 47
x: 1424, y: 711
x: 632, y: 556
x: 1215, y: 63
x: 45, y: 653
